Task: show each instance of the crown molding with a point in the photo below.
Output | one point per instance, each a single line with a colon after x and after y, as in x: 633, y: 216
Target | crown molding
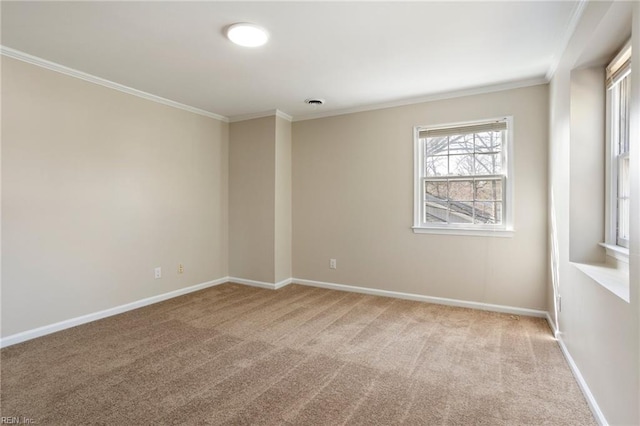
x: 262, y: 114
x: 43, y: 63
x: 34, y: 60
x: 284, y: 115
x: 574, y: 19
x: 429, y: 98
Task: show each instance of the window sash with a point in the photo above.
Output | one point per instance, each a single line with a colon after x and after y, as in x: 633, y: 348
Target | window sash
x: 462, y: 130
x: 463, y: 211
x: 619, y: 67
x: 458, y: 141
x: 622, y: 201
x: 618, y: 116
x: 476, y: 158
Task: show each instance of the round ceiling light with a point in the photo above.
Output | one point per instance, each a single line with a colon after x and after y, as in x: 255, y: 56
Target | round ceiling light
x: 247, y: 35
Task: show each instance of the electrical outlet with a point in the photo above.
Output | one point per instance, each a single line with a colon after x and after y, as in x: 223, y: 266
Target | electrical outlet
x: 333, y: 264
x: 157, y: 272
x: 180, y: 268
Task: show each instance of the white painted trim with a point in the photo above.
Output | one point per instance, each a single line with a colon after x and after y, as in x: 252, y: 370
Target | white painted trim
x: 284, y: 115
x: 420, y: 298
x: 469, y: 232
x: 252, y: 283
x: 72, y: 322
x: 52, y: 328
x: 34, y: 60
x: 262, y: 114
x: 554, y: 330
x: 506, y: 229
x: 617, y: 252
x: 261, y: 284
x: 428, y: 98
x: 591, y: 400
x: 283, y: 283
x: 612, y: 276
x: 574, y: 19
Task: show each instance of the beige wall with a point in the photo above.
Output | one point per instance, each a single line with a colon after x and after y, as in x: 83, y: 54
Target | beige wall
x: 252, y: 153
x: 283, y: 230
x: 260, y: 199
x: 98, y: 188
x: 353, y: 201
x: 587, y: 168
x: 600, y: 331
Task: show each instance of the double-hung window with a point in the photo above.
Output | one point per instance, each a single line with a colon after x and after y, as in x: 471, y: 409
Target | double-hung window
x: 463, y: 179
x: 618, y: 121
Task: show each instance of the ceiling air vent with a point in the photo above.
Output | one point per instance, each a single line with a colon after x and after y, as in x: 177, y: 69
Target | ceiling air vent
x: 314, y: 101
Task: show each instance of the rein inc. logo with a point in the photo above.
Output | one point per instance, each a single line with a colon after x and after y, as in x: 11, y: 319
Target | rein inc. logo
x: 17, y: 421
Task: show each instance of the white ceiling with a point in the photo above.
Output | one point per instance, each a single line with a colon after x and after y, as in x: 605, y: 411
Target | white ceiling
x: 353, y: 54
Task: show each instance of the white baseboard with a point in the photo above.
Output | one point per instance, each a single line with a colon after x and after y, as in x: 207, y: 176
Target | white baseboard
x: 552, y: 325
x: 283, y: 283
x: 430, y: 299
x: 62, y: 325
x: 261, y: 284
x: 72, y: 322
x: 591, y: 400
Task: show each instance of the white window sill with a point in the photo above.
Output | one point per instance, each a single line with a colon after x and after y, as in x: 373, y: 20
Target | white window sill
x: 502, y: 233
x: 617, y: 252
x: 614, y: 278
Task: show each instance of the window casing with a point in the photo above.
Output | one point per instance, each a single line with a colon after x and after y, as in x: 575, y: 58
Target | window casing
x: 618, y: 185
x: 463, y: 178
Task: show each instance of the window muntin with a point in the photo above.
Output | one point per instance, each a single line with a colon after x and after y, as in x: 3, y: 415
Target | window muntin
x: 462, y: 176
x: 618, y: 112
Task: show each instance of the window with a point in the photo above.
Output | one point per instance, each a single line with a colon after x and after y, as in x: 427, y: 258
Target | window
x: 618, y: 186
x: 463, y: 182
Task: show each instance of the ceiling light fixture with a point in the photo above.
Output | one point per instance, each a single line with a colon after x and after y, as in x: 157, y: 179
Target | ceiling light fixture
x: 247, y: 35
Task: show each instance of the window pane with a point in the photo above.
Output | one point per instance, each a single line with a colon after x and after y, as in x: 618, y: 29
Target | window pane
x: 436, y: 190
x: 437, y: 146
x: 488, y: 190
x: 461, y: 144
x: 488, y: 212
x: 623, y: 111
x: 460, y: 212
x: 624, y: 189
x: 461, y: 165
x: 461, y: 190
x: 436, y: 166
x: 488, y: 164
x: 434, y: 213
x: 488, y: 142
x: 623, y: 221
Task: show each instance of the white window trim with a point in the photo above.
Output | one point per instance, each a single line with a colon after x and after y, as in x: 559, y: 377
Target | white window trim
x: 617, y: 252
x: 612, y: 249
x: 504, y: 230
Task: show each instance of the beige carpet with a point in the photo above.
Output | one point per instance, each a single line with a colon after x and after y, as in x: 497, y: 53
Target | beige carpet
x: 297, y: 356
